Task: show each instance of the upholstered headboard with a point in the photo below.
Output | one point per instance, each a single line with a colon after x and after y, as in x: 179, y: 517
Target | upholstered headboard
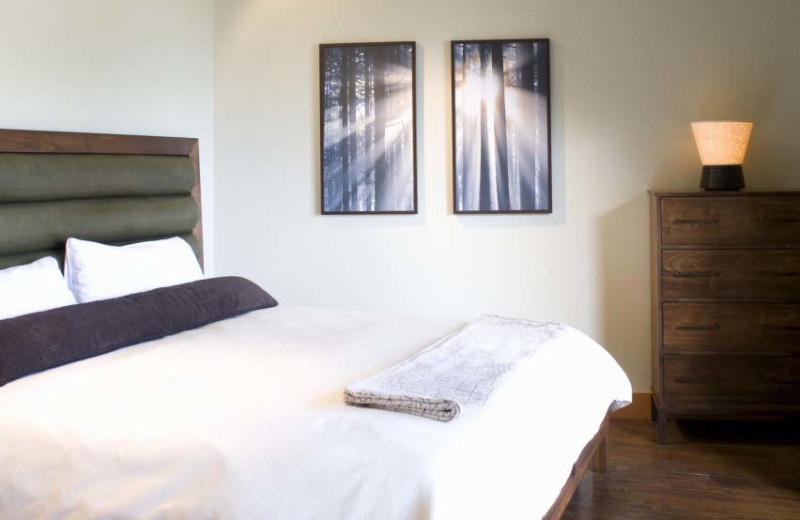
x: 114, y: 189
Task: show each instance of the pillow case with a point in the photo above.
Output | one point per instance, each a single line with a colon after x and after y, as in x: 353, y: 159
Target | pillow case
x: 97, y: 271
x: 36, y: 342
x: 34, y: 287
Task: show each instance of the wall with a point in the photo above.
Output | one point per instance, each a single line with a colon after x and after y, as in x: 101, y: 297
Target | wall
x: 628, y: 77
x: 113, y: 66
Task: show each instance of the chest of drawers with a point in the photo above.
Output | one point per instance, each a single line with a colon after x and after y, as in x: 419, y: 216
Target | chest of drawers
x: 725, y: 285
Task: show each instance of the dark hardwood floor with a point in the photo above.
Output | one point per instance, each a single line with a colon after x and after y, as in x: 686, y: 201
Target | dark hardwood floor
x: 709, y: 471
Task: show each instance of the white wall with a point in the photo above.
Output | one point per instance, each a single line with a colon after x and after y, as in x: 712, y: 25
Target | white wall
x: 113, y: 66
x: 628, y: 77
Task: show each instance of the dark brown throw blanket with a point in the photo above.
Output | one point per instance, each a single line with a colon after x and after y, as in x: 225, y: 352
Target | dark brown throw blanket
x: 43, y: 340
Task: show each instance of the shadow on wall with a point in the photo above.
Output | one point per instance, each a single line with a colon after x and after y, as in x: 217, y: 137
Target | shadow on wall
x: 623, y: 240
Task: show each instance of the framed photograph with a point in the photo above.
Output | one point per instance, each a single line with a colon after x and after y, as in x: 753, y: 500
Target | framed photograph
x: 501, y: 126
x: 367, y: 128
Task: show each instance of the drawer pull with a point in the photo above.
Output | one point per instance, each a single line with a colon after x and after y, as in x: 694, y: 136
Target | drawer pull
x: 697, y: 380
x: 698, y: 327
x: 696, y: 221
x: 696, y: 274
x: 787, y: 220
x: 782, y: 328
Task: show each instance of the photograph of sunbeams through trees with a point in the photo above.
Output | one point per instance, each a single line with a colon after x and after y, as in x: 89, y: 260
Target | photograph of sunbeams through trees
x: 501, y: 126
x: 367, y: 128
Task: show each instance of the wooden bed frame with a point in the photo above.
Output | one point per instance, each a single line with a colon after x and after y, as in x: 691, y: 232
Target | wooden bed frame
x: 594, y: 456
x: 26, y: 141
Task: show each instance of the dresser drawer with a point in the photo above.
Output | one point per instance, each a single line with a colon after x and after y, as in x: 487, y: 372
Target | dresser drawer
x: 744, y: 274
x: 732, y: 380
x: 752, y: 220
x: 765, y: 327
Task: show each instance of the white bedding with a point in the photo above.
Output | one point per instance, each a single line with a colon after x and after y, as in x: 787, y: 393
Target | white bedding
x: 244, y: 420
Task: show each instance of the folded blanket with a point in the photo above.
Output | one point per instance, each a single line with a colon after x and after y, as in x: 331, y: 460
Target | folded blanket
x: 456, y: 374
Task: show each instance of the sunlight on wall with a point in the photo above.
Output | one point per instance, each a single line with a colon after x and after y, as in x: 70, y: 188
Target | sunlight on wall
x: 627, y: 76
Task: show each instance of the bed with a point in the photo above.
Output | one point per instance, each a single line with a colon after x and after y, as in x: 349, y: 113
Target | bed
x: 244, y: 418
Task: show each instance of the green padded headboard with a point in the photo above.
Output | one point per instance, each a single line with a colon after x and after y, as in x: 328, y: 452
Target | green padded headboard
x: 115, y: 189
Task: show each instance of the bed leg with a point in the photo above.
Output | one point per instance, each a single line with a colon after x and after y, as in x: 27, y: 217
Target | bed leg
x: 600, y: 459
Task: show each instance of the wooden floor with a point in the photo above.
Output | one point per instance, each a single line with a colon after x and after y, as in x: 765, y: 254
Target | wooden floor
x: 716, y: 471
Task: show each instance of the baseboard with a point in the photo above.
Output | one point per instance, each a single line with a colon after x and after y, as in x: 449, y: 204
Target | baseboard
x: 638, y: 409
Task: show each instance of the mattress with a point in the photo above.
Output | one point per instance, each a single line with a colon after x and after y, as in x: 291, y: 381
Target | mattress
x: 244, y: 419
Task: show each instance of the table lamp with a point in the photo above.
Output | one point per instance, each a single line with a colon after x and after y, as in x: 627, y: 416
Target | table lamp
x: 722, y: 146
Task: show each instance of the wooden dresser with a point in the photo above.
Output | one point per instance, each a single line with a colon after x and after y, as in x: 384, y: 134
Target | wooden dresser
x: 725, y: 305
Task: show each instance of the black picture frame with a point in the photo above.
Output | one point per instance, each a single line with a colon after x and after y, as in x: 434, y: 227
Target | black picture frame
x: 361, y: 69
x: 528, y: 189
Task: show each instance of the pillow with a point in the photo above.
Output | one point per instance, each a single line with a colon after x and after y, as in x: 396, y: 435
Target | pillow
x: 34, y: 287
x: 97, y: 272
x: 44, y: 340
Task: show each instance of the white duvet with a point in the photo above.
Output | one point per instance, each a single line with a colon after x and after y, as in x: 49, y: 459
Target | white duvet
x: 244, y: 420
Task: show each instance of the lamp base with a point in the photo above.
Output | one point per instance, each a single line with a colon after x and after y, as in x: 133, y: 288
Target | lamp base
x: 722, y: 178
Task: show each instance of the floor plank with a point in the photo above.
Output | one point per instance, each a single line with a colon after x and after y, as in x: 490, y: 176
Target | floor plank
x: 709, y: 471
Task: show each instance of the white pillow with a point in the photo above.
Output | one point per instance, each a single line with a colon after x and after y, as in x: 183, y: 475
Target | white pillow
x: 97, y: 272
x: 34, y: 287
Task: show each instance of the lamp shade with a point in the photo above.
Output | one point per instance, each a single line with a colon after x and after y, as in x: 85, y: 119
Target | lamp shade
x: 722, y: 142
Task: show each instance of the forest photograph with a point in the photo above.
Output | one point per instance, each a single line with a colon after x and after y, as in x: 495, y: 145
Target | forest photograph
x: 368, y: 128
x: 501, y: 126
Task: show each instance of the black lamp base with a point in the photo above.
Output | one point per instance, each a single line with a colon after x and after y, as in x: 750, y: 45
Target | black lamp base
x: 722, y: 178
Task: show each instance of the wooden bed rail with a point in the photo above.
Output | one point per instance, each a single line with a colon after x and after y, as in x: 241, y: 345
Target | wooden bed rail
x: 594, y: 456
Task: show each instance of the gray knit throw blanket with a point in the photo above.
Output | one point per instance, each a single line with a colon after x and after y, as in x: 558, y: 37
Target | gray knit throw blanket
x: 457, y: 374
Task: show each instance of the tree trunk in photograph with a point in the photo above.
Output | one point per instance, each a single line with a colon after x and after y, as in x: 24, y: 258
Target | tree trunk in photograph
x: 390, y: 114
x: 460, y: 60
x: 542, y: 86
x: 470, y: 172
x: 503, y: 193
x: 352, y: 129
x: 391, y: 179
x: 485, y: 197
x: 527, y: 78
x: 408, y: 131
x: 406, y: 156
x: 369, y: 131
x: 326, y: 134
x: 537, y: 155
x: 345, y: 151
x: 380, y: 127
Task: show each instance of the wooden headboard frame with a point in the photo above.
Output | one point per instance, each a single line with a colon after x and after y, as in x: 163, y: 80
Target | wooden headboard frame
x: 30, y: 141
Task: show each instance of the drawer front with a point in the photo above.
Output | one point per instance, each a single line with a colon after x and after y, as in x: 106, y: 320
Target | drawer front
x: 756, y: 220
x: 773, y: 327
x: 745, y: 274
x: 734, y: 380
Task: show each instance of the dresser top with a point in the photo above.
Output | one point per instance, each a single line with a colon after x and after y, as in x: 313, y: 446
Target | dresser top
x: 702, y: 193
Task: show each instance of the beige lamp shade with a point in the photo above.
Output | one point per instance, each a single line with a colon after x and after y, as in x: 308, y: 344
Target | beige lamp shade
x: 722, y: 142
